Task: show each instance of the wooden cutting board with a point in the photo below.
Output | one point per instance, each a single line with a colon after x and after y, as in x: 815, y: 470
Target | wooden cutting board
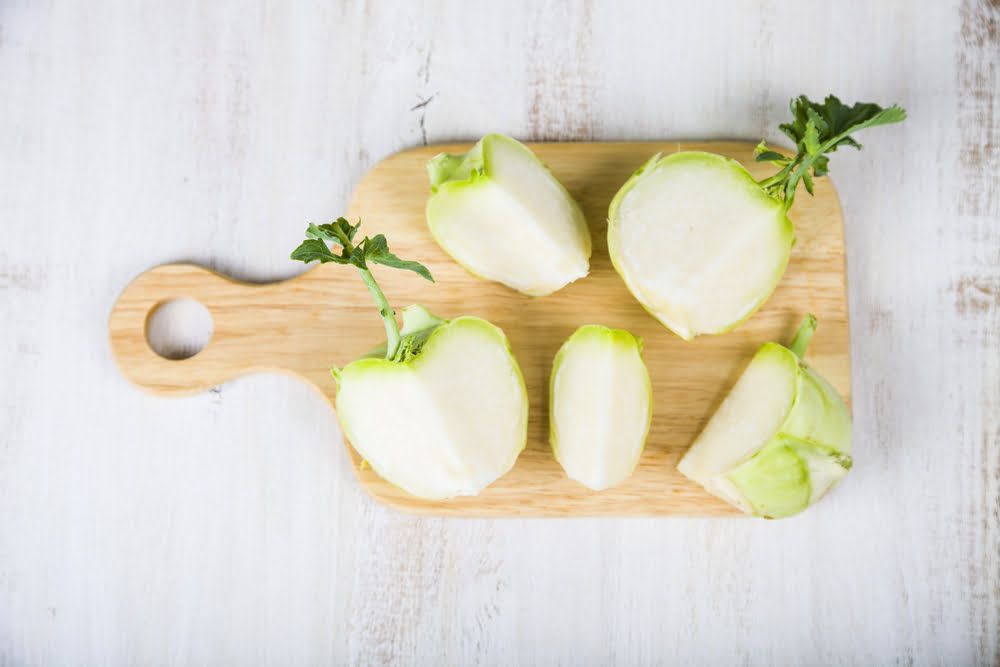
x: 325, y: 317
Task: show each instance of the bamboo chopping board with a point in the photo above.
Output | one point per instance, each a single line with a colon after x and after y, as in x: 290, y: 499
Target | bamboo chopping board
x: 325, y: 317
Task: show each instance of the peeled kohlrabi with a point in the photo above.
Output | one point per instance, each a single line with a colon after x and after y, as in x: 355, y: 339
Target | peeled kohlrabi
x: 781, y: 438
x: 599, y: 405
x: 441, y: 409
x: 498, y: 192
x: 701, y: 244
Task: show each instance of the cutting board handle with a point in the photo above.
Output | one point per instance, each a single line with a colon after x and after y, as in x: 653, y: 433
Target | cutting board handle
x: 251, y: 329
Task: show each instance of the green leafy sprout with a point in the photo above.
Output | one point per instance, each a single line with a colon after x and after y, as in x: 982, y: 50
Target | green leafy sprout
x: 817, y: 130
x: 374, y: 250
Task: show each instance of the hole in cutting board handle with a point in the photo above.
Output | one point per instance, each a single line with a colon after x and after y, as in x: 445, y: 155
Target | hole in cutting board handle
x: 179, y: 328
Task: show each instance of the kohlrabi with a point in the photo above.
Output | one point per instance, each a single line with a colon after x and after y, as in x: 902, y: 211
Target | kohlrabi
x: 500, y: 213
x: 781, y: 438
x: 441, y: 409
x: 700, y: 243
x: 599, y: 405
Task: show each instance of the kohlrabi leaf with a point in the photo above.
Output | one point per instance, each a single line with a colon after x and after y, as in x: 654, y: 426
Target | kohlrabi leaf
x: 375, y: 250
x: 340, y: 232
x: 818, y: 129
x: 314, y: 250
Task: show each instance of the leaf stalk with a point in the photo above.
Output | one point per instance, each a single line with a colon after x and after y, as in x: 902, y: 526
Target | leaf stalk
x: 374, y: 250
x: 385, y: 310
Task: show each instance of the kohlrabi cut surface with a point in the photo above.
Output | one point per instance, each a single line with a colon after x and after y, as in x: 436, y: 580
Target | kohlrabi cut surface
x: 781, y: 438
x: 599, y: 405
x: 700, y: 243
x: 440, y: 409
x: 500, y: 213
x: 446, y: 423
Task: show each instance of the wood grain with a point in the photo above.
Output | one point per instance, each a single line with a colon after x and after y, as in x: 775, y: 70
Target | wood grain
x: 324, y: 317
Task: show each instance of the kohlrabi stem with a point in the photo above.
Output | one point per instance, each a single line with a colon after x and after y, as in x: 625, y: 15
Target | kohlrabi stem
x: 386, y: 311
x: 374, y: 250
x: 802, y: 336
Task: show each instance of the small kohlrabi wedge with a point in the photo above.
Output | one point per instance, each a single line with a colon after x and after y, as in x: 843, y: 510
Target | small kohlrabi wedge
x: 599, y: 405
x: 781, y: 438
x: 701, y: 244
x: 441, y: 409
x: 498, y: 192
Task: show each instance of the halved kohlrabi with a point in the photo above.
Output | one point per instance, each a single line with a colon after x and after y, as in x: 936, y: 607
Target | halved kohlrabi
x: 446, y: 420
x: 781, y: 438
x: 599, y: 405
x: 701, y: 244
x: 697, y: 241
x: 440, y: 410
x: 500, y: 213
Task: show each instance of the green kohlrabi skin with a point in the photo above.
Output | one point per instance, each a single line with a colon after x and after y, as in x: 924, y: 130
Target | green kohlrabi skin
x: 779, y: 441
x: 445, y: 418
x: 501, y: 214
x: 600, y: 405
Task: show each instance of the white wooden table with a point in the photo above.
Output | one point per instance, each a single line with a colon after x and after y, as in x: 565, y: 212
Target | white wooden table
x: 227, y: 528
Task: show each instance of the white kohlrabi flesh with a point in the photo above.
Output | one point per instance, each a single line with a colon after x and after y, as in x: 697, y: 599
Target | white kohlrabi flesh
x: 500, y: 213
x: 781, y: 438
x: 698, y: 242
x: 440, y: 410
x: 448, y: 421
x: 599, y: 405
